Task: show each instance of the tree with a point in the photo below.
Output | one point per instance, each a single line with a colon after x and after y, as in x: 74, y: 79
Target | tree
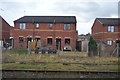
x: 92, y: 45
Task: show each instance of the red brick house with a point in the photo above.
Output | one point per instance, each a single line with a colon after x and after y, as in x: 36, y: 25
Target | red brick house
x: 106, y: 30
x: 51, y: 30
x: 4, y: 30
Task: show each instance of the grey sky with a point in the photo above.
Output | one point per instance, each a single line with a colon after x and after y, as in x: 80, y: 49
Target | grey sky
x: 85, y: 11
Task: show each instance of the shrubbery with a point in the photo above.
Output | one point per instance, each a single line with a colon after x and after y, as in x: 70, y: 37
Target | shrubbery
x: 92, y: 47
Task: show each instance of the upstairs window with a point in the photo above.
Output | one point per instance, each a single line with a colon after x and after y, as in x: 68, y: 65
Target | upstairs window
x: 109, y: 42
x: 49, y: 41
x: 21, y: 39
x: 67, y: 41
x: 22, y: 26
x: 110, y: 28
x: 51, y: 25
x: 37, y: 26
x: 66, y: 26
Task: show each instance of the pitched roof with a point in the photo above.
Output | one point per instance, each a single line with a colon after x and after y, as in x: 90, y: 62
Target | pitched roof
x: 109, y: 21
x: 46, y: 19
x: 2, y: 19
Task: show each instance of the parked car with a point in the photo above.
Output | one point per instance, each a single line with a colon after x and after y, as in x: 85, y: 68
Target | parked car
x: 67, y: 48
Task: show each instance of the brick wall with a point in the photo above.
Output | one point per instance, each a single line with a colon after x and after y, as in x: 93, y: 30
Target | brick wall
x: 43, y: 33
x: 5, y: 30
x: 100, y: 32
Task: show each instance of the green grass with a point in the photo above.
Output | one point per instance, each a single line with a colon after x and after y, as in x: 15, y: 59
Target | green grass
x: 15, y: 51
x: 61, y: 67
x: 71, y: 57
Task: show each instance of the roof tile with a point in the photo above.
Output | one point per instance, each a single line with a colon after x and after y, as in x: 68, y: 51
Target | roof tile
x: 46, y: 19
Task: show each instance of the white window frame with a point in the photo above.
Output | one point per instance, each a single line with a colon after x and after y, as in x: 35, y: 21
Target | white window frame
x: 66, y: 26
x: 50, y: 26
x: 22, y: 25
x: 37, y: 25
x: 111, y: 29
x: 109, y: 42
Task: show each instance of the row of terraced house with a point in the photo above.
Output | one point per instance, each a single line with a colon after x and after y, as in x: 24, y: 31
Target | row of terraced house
x: 57, y: 31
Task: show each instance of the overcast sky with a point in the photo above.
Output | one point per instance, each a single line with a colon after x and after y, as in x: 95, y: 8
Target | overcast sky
x: 85, y: 10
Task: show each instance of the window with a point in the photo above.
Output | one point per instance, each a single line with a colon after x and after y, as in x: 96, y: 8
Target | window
x: 51, y: 25
x: 37, y: 26
x: 110, y: 28
x: 37, y: 39
x: 66, y: 26
x: 49, y: 41
x: 67, y: 41
x: 22, y: 26
x: 109, y: 42
x: 29, y: 39
x: 21, y: 39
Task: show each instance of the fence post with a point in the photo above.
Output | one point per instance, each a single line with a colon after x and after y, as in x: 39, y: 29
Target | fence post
x: 58, y: 47
x: 87, y: 49
x: 1, y: 45
x: 98, y: 50
x: 29, y: 48
x: 117, y: 49
x: 12, y: 43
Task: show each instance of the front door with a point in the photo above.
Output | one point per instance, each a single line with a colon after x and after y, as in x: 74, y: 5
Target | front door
x: 58, y: 43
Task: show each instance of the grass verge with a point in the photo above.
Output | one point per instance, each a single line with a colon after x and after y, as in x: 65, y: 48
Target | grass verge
x: 71, y: 57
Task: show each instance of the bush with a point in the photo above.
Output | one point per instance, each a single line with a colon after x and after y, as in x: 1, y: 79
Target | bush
x: 92, y: 47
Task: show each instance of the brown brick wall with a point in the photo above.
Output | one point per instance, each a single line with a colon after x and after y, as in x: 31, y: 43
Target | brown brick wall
x: 97, y: 28
x: 5, y: 30
x: 43, y: 33
x: 100, y: 32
